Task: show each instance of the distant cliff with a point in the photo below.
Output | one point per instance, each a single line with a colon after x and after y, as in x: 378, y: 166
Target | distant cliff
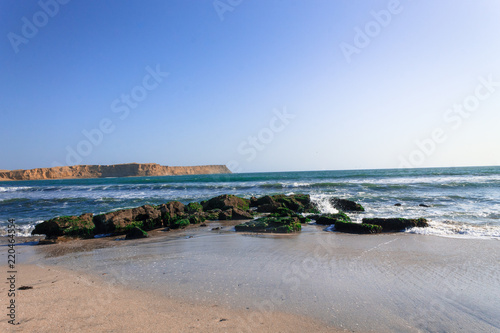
x: 117, y: 170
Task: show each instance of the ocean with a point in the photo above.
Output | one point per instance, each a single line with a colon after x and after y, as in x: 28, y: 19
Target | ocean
x: 461, y: 202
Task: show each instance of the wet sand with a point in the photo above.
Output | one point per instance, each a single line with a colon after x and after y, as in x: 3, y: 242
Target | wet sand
x: 66, y: 301
x: 360, y: 283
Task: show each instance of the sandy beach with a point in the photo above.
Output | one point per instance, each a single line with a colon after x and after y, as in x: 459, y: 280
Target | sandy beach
x: 65, y: 301
x: 216, y: 280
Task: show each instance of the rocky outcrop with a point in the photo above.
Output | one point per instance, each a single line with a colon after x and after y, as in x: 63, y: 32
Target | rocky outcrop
x: 329, y: 219
x: 296, y: 202
x: 226, y: 201
x: 136, y: 233
x: 357, y: 228
x: 346, y: 205
x: 283, y: 220
x: 171, y: 215
x: 343, y: 223
x: 172, y: 211
x: 238, y: 214
x: 117, y: 170
x: 285, y: 212
x: 79, y: 226
x: 148, y: 217
x: 285, y: 216
x: 271, y: 224
x: 396, y: 224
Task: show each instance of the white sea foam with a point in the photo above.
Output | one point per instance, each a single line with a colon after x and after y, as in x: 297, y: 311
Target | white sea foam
x: 300, y: 184
x: 441, y: 180
x: 22, y: 230
x: 323, y: 203
x: 13, y: 188
x: 458, y: 230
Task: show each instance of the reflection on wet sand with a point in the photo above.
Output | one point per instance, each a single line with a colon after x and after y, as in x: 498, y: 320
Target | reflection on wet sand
x: 388, y: 282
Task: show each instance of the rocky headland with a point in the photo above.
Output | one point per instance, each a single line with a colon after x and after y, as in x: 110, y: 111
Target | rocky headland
x: 116, y: 170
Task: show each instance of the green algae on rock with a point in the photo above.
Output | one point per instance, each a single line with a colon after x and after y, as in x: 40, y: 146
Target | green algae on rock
x: 75, y: 226
x: 328, y: 219
x: 396, y: 224
x: 357, y: 228
x: 346, y: 205
x: 271, y: 224
x: 285, y: 217
x: 136, y: 233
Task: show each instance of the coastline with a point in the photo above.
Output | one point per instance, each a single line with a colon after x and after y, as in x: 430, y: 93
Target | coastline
x: 464, y: 202
x: 358, y: 283
x: 109, y: 171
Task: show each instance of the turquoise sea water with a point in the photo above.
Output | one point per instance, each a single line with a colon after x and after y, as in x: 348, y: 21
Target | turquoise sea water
x: 463, y: 202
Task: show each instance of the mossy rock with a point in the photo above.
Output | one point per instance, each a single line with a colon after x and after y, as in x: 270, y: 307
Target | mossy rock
x: 328, y: 219
x: 130, y: 226
x: 271, y: 224
x: 313, y: 209
x: 226, y: 215
x: 170, y: 220
x: 396, y: 224
x: 196, y: 219
x: 193, y: 207
x: 298, y: 203
x: 171, y: 212
x: 149, y: 224
x: 212, y: 214
x: 226, y: 201
x: 287, y: 228
x: 180, y: 224
x: 288, y: 202
x: 117, y: 221
x: 346, y: 205
x: 251, y: 226
x: 357, y: 228
x: 304, y: 219
x: 74, y: 226
x: 253, y: 202
x: 48, y: 228
x: 276, y: 220
x: 135, y: 233
x: 285, y: 212
x: 79, y: 232
x: 238, y: 214
x: 304, y: 199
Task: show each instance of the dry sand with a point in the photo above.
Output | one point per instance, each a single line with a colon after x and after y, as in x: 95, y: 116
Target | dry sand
x: 65, y: 301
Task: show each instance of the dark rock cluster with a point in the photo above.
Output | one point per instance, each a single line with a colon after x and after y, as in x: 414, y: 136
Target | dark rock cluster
x: 282, y: 214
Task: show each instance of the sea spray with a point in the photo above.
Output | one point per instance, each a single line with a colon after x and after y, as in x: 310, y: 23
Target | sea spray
x: 322, y: 201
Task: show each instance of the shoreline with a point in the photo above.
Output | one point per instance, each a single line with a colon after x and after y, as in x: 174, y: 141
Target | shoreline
x: 360, y: 283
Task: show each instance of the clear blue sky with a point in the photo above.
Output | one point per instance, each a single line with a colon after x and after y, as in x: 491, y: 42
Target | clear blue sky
x: 357, y: 84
